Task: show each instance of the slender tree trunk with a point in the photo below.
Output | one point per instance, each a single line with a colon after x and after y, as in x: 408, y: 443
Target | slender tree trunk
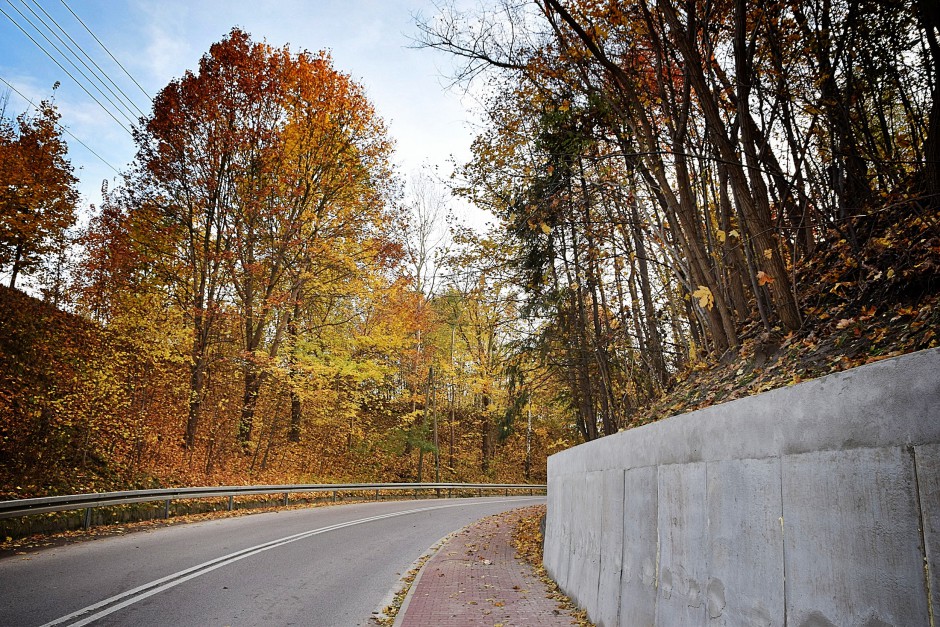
x: 253, y: 380
x: 654, y: 340
x: 17, y: 259
x: 296, y: 406
x: 528, y: 440
x: 197, y: 378
x: 735, y: 266
x: 758, y: 223
x: 928, y: 14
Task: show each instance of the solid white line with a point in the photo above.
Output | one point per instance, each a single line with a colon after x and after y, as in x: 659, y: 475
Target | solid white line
x: 170, y: 581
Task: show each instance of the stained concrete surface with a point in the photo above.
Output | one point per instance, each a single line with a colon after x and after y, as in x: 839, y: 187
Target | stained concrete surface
x: 813, y: 505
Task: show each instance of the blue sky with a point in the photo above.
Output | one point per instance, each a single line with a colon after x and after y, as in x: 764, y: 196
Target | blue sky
x: 158, y: 40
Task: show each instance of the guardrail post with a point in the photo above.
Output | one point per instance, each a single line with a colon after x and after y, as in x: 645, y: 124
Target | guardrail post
x: 376, y: 494
x: 507, y: 491
x: 286, y: 496
x: 334, y: 496
x: 166, y: 508
x: 450, y: 493
x: 480, y: 492
x: 231, y: 502
x: 86, y: 521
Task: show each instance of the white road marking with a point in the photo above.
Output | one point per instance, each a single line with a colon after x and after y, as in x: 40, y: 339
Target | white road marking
x: 140, y: 593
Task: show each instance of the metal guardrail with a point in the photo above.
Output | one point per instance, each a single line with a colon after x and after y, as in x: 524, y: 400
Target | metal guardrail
x: 69, y: 502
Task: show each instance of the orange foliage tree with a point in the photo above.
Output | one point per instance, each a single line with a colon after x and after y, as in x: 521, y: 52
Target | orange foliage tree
x: 37, y: 189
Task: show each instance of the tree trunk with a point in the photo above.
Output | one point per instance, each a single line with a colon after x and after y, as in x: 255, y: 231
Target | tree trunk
x: 197, y: 379
x: 17, y: 258
x: 758, y: 223
x: 296, y: 415
x: 928, y: 13
x: 296, y: 406
x: 253, y: 380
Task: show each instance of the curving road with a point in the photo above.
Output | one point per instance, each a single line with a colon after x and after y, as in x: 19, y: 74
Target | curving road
x: 322, y: 566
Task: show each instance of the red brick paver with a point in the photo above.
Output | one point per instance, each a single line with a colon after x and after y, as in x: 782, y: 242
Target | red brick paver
x: 476, y: 579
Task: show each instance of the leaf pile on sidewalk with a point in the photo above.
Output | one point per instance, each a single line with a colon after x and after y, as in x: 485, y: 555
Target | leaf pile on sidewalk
x: 527, y: 540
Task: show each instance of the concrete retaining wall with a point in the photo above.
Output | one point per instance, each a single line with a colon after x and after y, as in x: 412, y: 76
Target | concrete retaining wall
x: 813, y: 505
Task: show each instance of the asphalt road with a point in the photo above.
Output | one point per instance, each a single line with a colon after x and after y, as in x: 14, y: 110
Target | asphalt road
x: 311, y: 567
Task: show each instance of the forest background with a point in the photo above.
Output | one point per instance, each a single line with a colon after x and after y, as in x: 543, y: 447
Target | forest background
x: 695, y: 200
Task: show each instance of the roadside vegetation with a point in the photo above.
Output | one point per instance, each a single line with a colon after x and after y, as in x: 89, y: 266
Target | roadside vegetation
x: 694, y: 201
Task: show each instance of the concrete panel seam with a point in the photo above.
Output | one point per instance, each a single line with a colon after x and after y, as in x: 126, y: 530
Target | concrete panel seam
x: 623, y: 531
x: 708, y: 539
x: 783, y: 544
x: 923, y: 539
x: 659, y: 545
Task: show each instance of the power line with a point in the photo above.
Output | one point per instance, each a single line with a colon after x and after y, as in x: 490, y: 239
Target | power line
x: 101, y: 75
x: 95, y: 75
x: 67, y: 73
x: 105, y: 48
x: 66, y: 58
x: 64, y: 129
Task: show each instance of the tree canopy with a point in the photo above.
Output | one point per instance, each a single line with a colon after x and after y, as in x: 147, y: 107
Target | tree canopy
x: 38, y: 196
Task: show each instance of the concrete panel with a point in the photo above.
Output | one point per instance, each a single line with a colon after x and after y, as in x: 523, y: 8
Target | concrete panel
x: 585, y: 563
x: 745, y: 543
x: 640, y: 547
x: 928, y: 479
x: 852, y: 539
x: 607, y: 613
x: 559, y: 517
x: 683, y: 537
x: 699, y: 543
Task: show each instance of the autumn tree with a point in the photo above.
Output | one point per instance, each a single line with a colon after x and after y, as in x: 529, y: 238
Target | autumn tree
x: 664, y: 165
x: 262, y: 177
x: 37, y: 189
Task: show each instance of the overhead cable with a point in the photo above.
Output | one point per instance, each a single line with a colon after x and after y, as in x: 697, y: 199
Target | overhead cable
x: 67, y: 73
x: 98, y: 72
x: 105, y: 48
x: 65, y: 57
x: 63, y: 128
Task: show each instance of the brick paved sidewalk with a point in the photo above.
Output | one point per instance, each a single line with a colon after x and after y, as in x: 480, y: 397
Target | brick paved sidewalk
x: 475, y: 579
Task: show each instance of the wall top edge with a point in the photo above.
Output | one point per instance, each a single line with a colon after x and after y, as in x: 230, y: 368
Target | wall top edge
x: 893, y: 402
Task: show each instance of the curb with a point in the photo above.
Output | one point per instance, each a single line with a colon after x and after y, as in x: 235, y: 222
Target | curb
x: 426, y: 557
x: 400, y: 616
